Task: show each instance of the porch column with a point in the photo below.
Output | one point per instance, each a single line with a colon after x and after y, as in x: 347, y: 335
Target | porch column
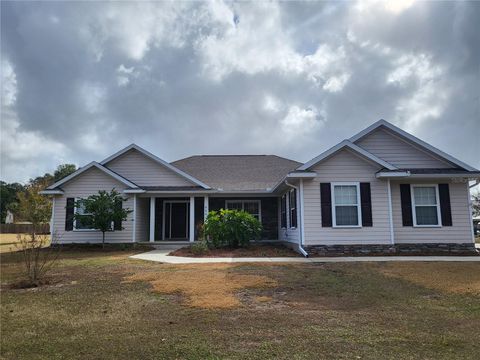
x: 390, y: 212
x: 191, y: 233
x: 134, y: 227
x: 152, y: 219
x: 205, y: 207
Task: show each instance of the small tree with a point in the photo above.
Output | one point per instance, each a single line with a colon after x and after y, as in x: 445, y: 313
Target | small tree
x: 476, y: 204
x: 103, y: 210
x: 231, y: 228
x: 63, y: 171
x: 37, y: 255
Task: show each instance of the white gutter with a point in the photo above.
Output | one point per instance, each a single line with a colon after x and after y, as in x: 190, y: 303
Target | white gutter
x: 300, y: 196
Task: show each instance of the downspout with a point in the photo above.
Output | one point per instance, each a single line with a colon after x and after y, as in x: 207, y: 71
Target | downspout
x: 300, y: 196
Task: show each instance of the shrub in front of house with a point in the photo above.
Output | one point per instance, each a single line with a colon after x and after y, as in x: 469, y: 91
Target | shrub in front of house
x: 231, y: 228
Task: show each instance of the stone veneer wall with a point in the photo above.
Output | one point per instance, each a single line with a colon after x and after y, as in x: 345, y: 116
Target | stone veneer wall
x: 397, y: 249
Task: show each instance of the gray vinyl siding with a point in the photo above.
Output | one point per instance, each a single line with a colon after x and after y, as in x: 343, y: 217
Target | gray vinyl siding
x: 459, y: 232
x: 84, y: 185
x: 144, y: 171
x: 346, y: 167
x: 398, y: 152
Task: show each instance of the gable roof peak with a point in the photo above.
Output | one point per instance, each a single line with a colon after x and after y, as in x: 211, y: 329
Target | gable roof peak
x: 89, y: 166
x: 350, y: 145
x: 413, y: 139
x: 156, y: 159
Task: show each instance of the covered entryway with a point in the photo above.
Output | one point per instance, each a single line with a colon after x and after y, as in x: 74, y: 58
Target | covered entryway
x: 176, y: 220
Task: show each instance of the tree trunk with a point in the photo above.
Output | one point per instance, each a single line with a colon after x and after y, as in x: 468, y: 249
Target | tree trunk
x: 103, y: 240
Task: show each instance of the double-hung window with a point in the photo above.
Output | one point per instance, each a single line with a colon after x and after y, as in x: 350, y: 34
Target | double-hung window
x: 425, y: 205
x: 283, y: 211
x: 253, y: 207
x: 346, y: 210
x: 292, y: 203
x: 83, y: 219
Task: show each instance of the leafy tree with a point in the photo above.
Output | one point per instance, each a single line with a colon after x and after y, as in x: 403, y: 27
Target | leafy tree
x: 33, y: 206
x: 104, y: 210
x: 63, y: 171
x: 476, y: 204
x: 9, y: 198
x: 38, y: 257
x: 231, y: 228
x: 43, y: 181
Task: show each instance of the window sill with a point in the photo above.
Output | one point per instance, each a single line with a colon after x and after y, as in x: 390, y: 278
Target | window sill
x: 427, y: 226
x: 347, y: 226
x: 85, y: 230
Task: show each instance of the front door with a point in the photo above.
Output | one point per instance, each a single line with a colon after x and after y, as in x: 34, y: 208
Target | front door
x: 176, y: 220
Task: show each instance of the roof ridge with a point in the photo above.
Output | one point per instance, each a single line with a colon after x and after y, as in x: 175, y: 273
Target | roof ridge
x: 235, y: 155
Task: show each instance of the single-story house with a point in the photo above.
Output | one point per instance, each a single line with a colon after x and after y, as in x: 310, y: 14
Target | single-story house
x: 381, y: 190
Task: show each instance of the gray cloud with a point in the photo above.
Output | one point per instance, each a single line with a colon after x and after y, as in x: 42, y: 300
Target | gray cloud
x: 81, y: 80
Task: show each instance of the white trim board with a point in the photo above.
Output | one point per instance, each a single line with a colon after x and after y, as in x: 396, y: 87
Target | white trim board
x: 346, y: 144
x: 413, y: 139
x: 156, y: 159
x: 89, y: 166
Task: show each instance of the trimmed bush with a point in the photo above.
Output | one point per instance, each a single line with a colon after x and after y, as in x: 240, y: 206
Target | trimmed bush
x: 199, y: 248
x: 231, y: 228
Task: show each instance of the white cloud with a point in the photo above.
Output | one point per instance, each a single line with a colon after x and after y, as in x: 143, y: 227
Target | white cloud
x: 23, y: 154
x: 301, y: 121
x: 428, y: 99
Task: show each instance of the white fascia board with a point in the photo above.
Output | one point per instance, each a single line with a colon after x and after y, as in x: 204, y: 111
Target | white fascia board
x: 134, y: 191
x: 158, y: 160
x: 386, y: 174
x: 89, y: 166
x: 51, y: 192
x: 413, y: 139
x: 352, y: 146
x: 471, y: 176
x: 297, y: 175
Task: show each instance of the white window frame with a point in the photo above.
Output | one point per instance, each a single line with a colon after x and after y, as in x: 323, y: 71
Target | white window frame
x: 259, y: 202
x: 358, y: 205
x: 75, y: 221
x: 437, y: 200
x: 289, y: 213
x: 286, y: 211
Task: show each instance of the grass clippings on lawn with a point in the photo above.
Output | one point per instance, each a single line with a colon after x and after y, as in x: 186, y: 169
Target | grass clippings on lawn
x: 203, y: 286
x: 254, y: 250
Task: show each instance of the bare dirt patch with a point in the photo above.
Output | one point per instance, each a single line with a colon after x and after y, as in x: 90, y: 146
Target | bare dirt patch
x: 251, y: 251
x: 448, y: 277
x: 204, y: 287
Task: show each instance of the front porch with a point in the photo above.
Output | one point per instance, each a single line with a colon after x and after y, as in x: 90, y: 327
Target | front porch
x: 179, y: 219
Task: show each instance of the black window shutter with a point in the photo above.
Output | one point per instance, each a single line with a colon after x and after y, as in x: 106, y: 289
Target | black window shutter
x: 326, y: 204
x: 366, y: 200
x: 445, y: 208
x: 406, y: 201
x: 69, y: 214
x: 117, y: 224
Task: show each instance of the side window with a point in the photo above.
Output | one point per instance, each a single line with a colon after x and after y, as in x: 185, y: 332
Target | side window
x: 293, y: 208
x: 283, y: 211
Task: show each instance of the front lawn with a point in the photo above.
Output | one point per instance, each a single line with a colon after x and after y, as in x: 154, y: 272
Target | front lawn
x: 104, y: 305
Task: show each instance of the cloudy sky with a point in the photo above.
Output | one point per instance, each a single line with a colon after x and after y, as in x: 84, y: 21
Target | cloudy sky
x: 81, y: 80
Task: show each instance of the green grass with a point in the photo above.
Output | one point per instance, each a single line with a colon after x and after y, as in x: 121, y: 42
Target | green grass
x: 342, y: 311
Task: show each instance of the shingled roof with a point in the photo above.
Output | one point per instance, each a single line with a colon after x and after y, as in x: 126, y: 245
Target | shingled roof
x: 237, y: 172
